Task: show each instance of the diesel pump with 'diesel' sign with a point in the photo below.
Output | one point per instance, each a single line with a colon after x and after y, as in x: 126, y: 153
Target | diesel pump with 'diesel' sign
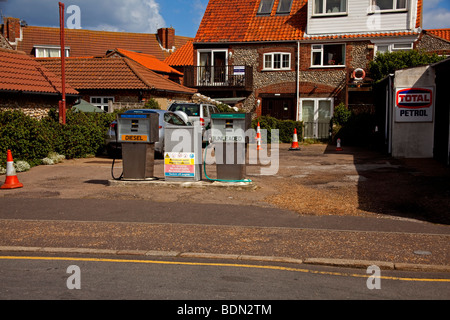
x: 138, y: 134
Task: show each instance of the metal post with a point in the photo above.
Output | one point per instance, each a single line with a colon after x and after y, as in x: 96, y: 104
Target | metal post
x: 62, y: 103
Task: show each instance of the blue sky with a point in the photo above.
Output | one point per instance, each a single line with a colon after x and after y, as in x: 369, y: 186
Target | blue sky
x: 149, y: 15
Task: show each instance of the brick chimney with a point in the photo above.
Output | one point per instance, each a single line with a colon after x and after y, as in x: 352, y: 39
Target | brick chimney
x: 167, y: 38
x: 11, y: 29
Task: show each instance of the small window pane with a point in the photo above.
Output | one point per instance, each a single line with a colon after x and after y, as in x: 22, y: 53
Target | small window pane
x: 284, y: 6
x: 336, y: 6
x: 277, y: 61
x: 268, y: 62
x: 286, y: 62
x: 265, y: 7
x: 317, y: 58
x: 385, y: 4
x: 318, y: 6
x: 401, y: 4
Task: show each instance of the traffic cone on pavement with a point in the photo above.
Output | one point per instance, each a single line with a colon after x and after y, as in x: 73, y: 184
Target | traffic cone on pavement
x: 295, y: 146
x: 12, y: 182
x: 258, y: 137
x: 339, y: 145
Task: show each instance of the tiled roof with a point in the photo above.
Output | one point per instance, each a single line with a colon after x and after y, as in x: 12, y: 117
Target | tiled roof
x: 84, y: 43
x: 148, y: 61
x: 113, y: 74
x: 19, y: 72
x: 441, y: 33
x: 183, y: 56
x: 238, y: 21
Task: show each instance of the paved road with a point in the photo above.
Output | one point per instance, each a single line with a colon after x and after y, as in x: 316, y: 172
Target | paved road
x: 235, y: 231
x: 135, y: 278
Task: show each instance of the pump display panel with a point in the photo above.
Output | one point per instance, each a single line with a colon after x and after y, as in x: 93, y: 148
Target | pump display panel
x: 137, y: 128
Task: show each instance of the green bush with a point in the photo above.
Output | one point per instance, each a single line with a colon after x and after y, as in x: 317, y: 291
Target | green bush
x: 286, y: 128
x: 32, y: 140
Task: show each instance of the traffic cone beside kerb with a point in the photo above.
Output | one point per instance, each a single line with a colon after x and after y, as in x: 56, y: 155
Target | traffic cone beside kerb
x: 295, y: 146
x: 339, y: 145
x: 258, y: 137
x: 12, y: 182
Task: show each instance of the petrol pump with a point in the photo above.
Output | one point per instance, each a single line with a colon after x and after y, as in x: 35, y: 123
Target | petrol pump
x: 229, y: 136
x: 138, y: 134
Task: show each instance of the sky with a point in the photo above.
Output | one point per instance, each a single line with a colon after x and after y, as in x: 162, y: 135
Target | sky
x: 146, y: 16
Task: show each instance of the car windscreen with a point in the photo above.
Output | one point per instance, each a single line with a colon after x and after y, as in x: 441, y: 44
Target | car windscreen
x: 173, y: 119
x: 192, y: 110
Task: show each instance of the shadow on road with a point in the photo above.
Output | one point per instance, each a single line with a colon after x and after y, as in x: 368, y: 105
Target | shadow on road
x: 408, y: 188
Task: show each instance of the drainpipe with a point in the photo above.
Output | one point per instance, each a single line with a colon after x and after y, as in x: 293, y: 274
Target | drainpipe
x: 62, y: 103
x: 298, y: 80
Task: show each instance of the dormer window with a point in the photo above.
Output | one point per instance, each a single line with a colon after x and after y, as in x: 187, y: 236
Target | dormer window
x: 265, y: 7
x: 284, y: 7
x: 330, y: 7
x: 49, y: 51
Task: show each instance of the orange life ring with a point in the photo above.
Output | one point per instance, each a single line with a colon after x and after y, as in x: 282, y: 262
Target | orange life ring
x: 359, y: 70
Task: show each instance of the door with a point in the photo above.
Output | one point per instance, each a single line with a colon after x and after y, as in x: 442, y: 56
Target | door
x: 212, y: 67
x: 220, y: 64
x: 316, y: 115
x: 281, y: 108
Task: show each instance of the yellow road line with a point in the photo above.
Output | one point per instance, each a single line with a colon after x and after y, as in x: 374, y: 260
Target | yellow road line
x: 220, y: 265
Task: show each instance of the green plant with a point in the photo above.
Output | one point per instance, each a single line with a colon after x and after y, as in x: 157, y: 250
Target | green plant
x: 286, y: 128
x: 388, y: 62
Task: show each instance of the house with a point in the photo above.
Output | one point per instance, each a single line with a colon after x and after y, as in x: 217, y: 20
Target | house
x: 117, y: 80
x: 44, y: 42
x: 28, y: 86
x: 435, y: 40
x: 297, y: 59
x: 150, y: 62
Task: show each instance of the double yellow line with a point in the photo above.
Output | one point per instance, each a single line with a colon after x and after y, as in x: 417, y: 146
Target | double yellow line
x: 219, y: 265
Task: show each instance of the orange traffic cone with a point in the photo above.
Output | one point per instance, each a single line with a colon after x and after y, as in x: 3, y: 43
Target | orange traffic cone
x: 295, y: 146
x: 339, y: 146
x: 12, y: 182
x: 258, y: 137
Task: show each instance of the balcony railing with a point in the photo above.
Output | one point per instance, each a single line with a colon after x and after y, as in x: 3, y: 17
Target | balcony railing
x: 236, y: 77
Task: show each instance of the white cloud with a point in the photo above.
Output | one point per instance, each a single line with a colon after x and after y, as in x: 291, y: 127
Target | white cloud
x: 436, y: 19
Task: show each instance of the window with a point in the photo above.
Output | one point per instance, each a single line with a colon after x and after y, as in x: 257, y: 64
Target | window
x: 391, y: 47
x: 277, y: 61
x: 265, y: 7
x: 102, y: 102
x: 330, y: 7
x: 284, y: 6
x: 327, y: 55
x: 384, y: 5
x: 49, y: 51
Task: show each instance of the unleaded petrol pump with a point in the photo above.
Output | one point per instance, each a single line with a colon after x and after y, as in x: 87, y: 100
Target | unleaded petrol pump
x: 138, y: 134
x: 228, y: 133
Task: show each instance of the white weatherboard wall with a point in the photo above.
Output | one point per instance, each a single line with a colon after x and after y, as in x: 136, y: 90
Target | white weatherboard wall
x: 413, y: 139
x: 359, y: 18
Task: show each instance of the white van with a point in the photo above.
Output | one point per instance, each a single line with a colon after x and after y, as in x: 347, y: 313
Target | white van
x: 196, y: 112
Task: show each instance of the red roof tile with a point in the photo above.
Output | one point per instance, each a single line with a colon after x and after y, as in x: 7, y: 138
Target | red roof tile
x: 22, y: 73
x: 238, y: 21
x: 441, y: 33
x: 84, y: 43
x: 183, y: 56
x: 148, y: 61
x: 113, y: 74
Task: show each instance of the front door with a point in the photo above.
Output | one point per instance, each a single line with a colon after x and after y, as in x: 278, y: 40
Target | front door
x: 280, y: 108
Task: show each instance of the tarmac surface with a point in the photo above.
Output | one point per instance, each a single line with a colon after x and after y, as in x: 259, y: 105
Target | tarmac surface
x: 75, y: 207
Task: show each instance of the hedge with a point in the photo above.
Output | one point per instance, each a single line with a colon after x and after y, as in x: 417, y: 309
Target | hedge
x: 32, y: 140
x: 286, y: 128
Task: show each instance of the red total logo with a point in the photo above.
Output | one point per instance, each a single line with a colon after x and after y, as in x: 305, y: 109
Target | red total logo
x: 414, y: 98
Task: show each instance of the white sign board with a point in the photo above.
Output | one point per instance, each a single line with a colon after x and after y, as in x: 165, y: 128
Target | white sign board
x: 414, y: 104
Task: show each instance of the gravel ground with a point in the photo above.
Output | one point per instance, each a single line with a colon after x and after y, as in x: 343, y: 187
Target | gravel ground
x: 317, y: 180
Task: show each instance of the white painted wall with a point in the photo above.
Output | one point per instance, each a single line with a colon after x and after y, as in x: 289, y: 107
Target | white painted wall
x: 360, y: 19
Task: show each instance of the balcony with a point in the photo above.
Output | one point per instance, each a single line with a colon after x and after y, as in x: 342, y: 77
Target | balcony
x: 219, y: 78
